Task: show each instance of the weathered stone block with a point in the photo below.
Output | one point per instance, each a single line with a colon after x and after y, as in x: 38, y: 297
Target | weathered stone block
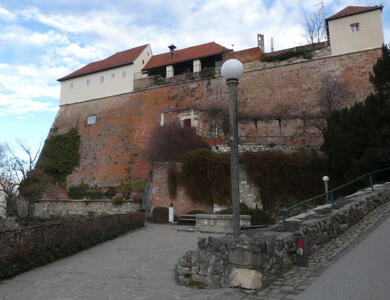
x: 244, y: 258
x: 246, y: 278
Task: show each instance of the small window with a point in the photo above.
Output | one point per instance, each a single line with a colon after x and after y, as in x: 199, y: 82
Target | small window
x: 88, y: 82
x: 124, y: 74
x: 187, y: 123
x: 101, y: 78
x: 71, y: 85
x: 91, y: 120
x: 143, y: 62
x: 113, y: 76
x: 355, y: 27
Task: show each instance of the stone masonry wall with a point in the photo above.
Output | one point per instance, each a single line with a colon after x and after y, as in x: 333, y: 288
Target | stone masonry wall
x: 254, y: 259
x: 160, y: 193
x: 182, y: 203
x: 49, y: 208
x: 112, y: 151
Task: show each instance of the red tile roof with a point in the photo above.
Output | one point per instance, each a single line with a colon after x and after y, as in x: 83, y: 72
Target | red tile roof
x: 186, y: 54
x: 353, y: 10
x: 118, y: 59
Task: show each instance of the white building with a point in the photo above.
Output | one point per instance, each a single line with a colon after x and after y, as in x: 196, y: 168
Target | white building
x: 355, y: 28
x: 108, y: 77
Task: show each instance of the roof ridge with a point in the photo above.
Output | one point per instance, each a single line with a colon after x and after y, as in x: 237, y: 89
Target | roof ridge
x: 110, y: 62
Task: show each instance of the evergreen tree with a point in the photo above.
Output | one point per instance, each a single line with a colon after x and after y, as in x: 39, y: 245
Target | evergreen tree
x: 357, y: 139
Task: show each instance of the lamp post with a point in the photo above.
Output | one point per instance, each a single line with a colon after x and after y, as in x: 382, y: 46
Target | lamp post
x: 232, y: 70
x: 325, y: 179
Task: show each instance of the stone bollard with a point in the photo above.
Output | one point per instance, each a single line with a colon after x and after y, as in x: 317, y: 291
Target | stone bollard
x: 171, y: 214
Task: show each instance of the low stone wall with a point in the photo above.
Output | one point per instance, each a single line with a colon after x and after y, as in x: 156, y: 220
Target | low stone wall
x: 50, y: 208
x: 28, y: 247
x: 218, y: 223
x: 254, y: 259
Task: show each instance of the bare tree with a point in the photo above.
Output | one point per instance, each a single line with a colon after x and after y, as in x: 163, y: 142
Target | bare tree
x: 333, y: 94
x: 314, y: 26
x: 14, y: 169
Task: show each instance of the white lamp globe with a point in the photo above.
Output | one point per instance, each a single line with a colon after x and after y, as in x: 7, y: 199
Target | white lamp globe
x: 325, y: 178
x: 232, y: 69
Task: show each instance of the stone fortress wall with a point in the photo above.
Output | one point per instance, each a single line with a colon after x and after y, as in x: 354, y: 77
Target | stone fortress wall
x: 114, y: 147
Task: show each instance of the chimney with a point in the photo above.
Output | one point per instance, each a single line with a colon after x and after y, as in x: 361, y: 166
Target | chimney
x: 172, y: 48
x: 260, y: 41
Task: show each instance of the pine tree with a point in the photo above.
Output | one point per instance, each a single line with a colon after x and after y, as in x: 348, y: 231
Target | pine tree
x: 357, y: 139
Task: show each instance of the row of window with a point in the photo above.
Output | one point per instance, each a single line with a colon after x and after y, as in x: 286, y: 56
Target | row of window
x: 88, y: 81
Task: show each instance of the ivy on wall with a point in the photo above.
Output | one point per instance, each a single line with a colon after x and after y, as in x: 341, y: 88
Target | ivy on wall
x: 60, y: 155
x: 283, y: 178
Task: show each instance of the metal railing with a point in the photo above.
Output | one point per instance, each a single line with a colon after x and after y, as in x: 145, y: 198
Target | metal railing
x: 330, y: 193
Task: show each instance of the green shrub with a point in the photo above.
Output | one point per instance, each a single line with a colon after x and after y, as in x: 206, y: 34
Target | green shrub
x: 138, y: 186
x: 60, y: 155
x: 110, y: 192
x: 206, y: 176
x: 125, y: 189
x: 284, y: 55
x: 160, y: 214
x: 207, y: 73
x: 33, y: 186
x: 258, y: 216
x: 78, y: 191
x: 94, y: 194
x: 117, y: 201
x: 285, y: 178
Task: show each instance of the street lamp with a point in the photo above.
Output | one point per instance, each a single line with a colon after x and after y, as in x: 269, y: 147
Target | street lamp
x: 325, y: 179
x: 232, y: 70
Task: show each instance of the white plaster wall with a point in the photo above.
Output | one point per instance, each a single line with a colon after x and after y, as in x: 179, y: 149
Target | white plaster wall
x: 369, y: 36
x: 3, y: 205
x: 110, y: 87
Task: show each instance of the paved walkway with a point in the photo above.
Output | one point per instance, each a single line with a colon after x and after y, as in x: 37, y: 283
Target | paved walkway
x: 140, y: 265
x: 361, y: 274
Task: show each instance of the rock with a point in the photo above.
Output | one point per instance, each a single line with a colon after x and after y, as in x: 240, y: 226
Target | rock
x: 246, y: 279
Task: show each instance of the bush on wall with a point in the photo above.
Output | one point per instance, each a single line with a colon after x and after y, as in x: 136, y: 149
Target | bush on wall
x: 206, y: 176
x: 60, y: 155
x: 285, y: 178
x: 170, y: 142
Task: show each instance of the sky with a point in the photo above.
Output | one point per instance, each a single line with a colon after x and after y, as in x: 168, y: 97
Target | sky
x: 41, y: 41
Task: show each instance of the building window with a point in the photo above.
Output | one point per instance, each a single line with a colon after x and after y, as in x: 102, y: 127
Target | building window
x: 355, y: 27
x: 71, y: 85
x: 143, y: 62
x: 113, y: 76
x: 91, y: 120
x: 101, y: 78
x: 124, y: 74
x: 88, y: 82
x: 187, y: 123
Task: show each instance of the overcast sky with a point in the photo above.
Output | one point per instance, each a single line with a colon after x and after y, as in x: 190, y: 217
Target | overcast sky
x: 41, y: 41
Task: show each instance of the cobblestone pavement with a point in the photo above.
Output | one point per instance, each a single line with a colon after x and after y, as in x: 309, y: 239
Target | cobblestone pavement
x: 140, y: 265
